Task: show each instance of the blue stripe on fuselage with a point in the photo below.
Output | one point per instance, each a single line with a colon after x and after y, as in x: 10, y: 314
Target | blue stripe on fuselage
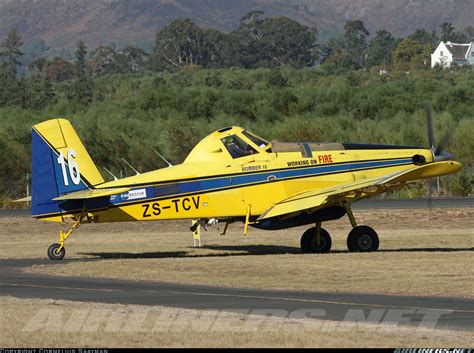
x: 206, y: 185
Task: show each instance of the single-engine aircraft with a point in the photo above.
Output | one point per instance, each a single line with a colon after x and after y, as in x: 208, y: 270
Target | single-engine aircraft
x: 231, y: 175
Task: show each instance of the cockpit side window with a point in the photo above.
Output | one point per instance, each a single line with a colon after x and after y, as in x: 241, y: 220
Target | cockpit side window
x: 237, y: 147
x: 255, y: 139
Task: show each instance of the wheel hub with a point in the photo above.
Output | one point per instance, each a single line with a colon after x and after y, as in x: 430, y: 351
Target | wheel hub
x: 364, y: 242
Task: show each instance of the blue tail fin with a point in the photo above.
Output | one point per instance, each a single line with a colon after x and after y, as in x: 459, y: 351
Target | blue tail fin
x: 60, y: 165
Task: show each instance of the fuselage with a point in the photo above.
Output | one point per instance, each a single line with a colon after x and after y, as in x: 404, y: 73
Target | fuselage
x: 214, y: 183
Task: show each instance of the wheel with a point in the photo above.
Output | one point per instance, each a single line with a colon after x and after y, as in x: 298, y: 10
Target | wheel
x: 308, y: 241
x: 53, y: 255
x: 362, y: 239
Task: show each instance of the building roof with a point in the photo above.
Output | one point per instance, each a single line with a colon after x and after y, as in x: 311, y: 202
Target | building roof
x: 458, y: 51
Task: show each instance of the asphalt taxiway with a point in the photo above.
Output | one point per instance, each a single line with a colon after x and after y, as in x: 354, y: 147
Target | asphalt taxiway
x: 437, y: 312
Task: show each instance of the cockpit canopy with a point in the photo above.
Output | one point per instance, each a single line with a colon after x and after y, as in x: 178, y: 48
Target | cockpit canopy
x: 228, y: 144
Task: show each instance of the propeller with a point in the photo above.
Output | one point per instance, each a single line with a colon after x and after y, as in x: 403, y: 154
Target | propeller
x: 438, y: 150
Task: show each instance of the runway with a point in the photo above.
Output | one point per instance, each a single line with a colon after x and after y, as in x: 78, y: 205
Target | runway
x: 429, y: 312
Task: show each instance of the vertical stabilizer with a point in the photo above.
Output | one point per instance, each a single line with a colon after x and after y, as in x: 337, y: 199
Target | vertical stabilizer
x: 60, y: 165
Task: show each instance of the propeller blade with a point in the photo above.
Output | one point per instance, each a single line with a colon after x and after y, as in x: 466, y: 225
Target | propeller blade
x: 444, y: 142
x: 429, y: 123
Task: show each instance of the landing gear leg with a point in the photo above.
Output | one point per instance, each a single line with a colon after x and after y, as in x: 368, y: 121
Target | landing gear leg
x: 350, y: 215
x: 196, y: 233
x: 57, y: 251
x: 360, y: 238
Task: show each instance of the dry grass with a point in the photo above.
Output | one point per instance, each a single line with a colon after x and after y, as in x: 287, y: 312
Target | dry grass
x: 50, y: 323
x: 423, y: 252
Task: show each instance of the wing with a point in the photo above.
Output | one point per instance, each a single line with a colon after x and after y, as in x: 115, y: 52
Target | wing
x: 349, y: 192
x: 90, y: 194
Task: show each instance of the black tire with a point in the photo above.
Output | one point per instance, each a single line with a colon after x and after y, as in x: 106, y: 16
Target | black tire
x: 308, y: 242
x: 362, y: 239
x: 52, y: 252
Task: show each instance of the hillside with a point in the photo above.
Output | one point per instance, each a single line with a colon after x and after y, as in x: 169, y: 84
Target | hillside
x: 62, y: 23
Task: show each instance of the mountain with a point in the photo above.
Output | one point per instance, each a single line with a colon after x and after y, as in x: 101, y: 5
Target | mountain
x: 61, y: 23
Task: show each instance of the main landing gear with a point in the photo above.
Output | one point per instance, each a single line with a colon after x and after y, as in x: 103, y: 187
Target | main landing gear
x: 57, y: 251
x: 316, y: 240
x: 360, y: 238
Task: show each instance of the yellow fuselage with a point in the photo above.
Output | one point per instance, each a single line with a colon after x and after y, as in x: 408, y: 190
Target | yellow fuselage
x: 217, y: 189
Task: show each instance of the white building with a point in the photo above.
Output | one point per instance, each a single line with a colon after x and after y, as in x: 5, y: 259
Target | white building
x: 448, y: 53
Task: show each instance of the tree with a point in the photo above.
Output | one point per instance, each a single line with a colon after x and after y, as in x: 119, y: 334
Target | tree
x: 9, y: 89
x: 34, y: 49
x: 81, y: 69
x: 422, y: 36
x: 469, y: 33
x: 243, y: 45
x: 37, y: 92
x: 179, y: 43
x: 54, y: 70
x: 449, y: 34
x: 271, y: 42
x: 38, y: 65
x: 355, y: 40
x: 287, y: 42
x: 58, y: 70
x: 81, y: 89
x: 131, y: 59
x: 11, y: 52
x: 334, y: 52
x: 410, y: 54
x: 380, y: 49
x: 350, y: 50
x: 34, y: 93
x: 103, y: 61
x: 216, y: 49
x: 251, y: 19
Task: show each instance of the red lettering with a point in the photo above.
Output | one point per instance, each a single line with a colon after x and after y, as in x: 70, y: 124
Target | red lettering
x: 325, y: 158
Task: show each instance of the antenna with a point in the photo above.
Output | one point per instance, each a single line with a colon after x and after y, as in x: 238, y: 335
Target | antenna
x: 108, y: 171
x: 136, y: 171
x: 163, y: 158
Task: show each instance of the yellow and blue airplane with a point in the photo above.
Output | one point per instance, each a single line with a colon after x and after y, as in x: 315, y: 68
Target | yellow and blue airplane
x: 231, y: 175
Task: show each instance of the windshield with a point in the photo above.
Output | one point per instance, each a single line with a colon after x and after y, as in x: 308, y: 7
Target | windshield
x: 237, y: 147
x: 255, y: 139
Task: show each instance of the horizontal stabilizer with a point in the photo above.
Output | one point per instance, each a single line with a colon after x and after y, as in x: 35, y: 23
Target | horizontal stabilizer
x: 91, y: 194
x: 24, y: 199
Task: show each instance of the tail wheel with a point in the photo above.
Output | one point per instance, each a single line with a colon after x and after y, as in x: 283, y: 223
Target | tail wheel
x: 53, y: 252
x: 309, y: 244
x: 362, y: 239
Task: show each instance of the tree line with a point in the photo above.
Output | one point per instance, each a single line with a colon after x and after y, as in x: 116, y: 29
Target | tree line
x: 259, y: 41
